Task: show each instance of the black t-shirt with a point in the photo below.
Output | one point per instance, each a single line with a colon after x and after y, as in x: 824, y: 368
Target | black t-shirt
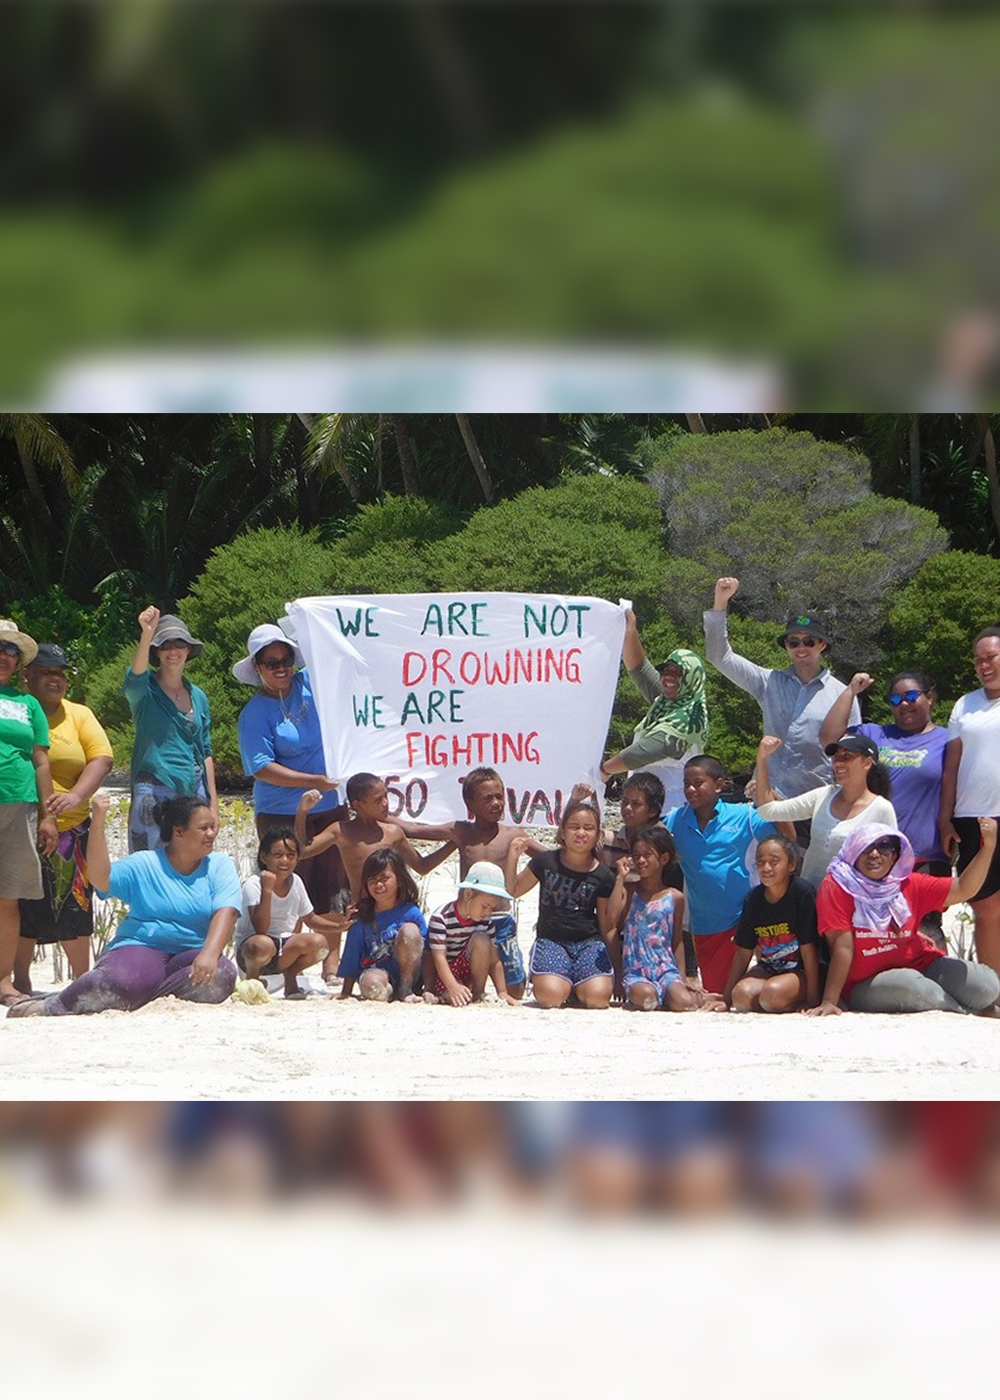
x: 567, y: 899
x: 778, y: 931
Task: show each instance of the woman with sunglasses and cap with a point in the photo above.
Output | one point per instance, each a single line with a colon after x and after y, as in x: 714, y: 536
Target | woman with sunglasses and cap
x: 80, y: 758
x: 795, y: 699
x: 675, y: 727
x: 869, y: 909
x: 172, y: 754
x: 26, y: 824
x: 911, y: 748
x: 282, y: 750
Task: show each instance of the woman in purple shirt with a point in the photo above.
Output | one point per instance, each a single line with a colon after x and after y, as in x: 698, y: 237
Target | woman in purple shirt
x: 912, y: 750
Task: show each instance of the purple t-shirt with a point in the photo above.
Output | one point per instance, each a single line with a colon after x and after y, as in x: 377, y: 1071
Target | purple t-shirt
x: 915, y: 763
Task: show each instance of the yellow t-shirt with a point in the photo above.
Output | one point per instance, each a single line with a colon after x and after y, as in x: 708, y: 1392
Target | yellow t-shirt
x: 75, y: 737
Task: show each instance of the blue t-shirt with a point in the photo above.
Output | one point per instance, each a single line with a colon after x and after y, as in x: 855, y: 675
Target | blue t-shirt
x: 714, y: 861
x: 370, y: 945
x: 167, y: 910
x: 284, y: 731
x: 915, y: 763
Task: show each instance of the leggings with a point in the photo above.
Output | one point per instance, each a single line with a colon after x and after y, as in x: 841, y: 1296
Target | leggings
x: 127, y: 978
x: 948, y: 984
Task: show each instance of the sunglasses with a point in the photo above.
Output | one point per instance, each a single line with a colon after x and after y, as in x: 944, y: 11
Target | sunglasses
x: 9, y: 649
x: 801, y: 642
x: 276, y: 663
x: 886, y: 847
x: 171, y: 644
x: 908, y: 695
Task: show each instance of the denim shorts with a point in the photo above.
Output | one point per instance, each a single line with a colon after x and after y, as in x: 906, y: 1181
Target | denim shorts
x: 574, y: 962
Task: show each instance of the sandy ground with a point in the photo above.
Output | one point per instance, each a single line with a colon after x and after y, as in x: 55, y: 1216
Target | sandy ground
x: 344, y: 1050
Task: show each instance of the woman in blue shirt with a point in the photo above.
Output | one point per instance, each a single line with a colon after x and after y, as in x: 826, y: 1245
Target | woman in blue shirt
x: 282, y: 749
x: 183, y: 901
x: 172, y: 754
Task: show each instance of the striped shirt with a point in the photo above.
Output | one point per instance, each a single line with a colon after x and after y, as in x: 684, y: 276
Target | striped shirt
x: 448, y: 930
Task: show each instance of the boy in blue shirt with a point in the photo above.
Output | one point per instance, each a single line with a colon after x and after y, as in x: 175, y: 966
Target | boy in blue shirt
x: 712, y: 839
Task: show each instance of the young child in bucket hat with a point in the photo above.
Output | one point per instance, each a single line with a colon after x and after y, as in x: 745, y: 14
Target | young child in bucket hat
x: 461, y: 939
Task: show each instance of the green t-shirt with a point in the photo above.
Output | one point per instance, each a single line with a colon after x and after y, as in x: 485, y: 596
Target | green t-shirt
x: 22, y: 726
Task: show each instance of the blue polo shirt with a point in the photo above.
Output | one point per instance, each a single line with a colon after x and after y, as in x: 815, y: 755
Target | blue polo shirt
x: 716, y: 878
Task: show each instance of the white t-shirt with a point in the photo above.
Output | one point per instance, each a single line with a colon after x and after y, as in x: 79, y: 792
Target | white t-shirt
x: 828, y: 832
x: 976, y: 721
x: 285, y: 912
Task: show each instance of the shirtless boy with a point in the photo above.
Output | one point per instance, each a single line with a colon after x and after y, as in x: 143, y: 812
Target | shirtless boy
x: 365, y: 832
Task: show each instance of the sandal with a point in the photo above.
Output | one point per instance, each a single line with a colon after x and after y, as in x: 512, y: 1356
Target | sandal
x: 28, y: 1007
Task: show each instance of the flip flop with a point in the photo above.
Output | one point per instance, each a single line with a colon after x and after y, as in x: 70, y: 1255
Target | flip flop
x: 28, y: 1006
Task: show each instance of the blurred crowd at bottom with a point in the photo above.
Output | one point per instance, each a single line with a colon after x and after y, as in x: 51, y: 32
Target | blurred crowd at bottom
x: 920, y: 1160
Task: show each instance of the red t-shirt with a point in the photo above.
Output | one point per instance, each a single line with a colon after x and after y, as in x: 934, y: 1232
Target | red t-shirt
x: 874, y: 952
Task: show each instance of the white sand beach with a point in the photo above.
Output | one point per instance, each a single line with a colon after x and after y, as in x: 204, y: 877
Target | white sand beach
x: 347, y: 1050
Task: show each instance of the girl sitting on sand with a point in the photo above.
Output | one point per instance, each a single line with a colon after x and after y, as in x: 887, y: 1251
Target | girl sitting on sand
x: 778, y: 923
x: 653, y: 952
x: 575, y: 926
x: 385, y: 944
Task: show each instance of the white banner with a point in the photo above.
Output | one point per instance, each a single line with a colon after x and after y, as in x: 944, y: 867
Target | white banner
x: 420, y: 688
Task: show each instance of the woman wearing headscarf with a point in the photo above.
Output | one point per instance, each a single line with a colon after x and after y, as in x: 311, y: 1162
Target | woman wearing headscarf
x: 26, y: 824
x: 675, y: 727
x: 869, y: 909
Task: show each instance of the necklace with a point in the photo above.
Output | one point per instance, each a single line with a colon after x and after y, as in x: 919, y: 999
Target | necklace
x: 291, y: 714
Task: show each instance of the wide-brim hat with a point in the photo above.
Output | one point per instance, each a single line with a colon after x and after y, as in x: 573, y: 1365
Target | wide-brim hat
x: 854, y: 743
x: 27, y: 646
x: 806, y: 622
x: 261, y: 637
x: 485, y: 878
x: 172, y: 629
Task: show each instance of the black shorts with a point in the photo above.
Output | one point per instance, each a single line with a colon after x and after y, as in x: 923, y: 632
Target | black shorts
x: 969, y: 842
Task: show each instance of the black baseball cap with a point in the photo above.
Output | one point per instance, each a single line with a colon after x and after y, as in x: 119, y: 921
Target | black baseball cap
x: 805, y: 622
x: 50, y: 654
x: 855, y: 743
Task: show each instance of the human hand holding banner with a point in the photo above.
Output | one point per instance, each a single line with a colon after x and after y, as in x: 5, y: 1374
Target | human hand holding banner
x: 420, y: 688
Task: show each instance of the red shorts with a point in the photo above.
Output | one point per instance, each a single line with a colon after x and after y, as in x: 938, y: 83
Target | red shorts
x: 460, y: 970
x: 715, y: 953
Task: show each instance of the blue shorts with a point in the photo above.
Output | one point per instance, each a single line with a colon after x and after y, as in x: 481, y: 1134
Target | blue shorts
x: 667, y: 977
x: 505, y: 933
x: 654, y: 1131
x: 574, y: 962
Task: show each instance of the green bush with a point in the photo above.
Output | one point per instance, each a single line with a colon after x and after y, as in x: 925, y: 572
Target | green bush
x: 589, y: 535
x: 795, y: 519
x: 935, y: 617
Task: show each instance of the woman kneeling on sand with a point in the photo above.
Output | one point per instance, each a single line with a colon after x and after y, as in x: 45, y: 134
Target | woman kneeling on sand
x: 869, y: 909
x: 183, y: 902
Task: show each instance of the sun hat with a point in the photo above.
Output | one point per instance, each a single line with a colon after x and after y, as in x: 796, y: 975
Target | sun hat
x: 854, y: 743
x: 805, y: 622
x: 50, y: 654
x: 485, y: 878
x: 172, y: 629
x: 27, y: 646
x: 259, y: 638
